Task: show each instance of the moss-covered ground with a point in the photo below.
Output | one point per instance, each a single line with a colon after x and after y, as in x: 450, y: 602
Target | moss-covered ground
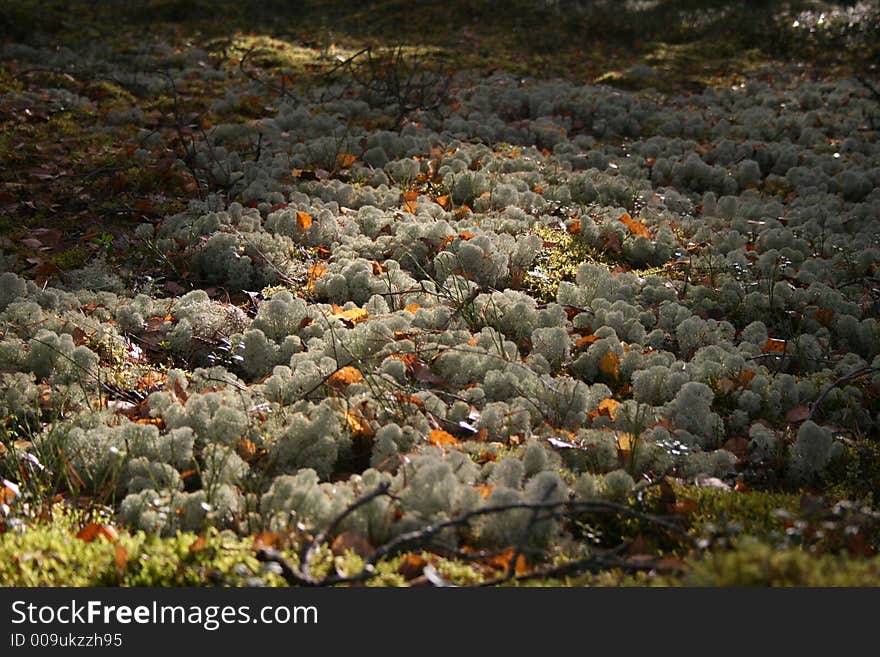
x: 75, y: 179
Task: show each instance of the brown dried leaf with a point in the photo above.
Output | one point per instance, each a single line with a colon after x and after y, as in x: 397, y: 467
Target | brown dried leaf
x: 774, y: 346
x: 798, y: 414
x: 351, y: 542
x: 411, y: 566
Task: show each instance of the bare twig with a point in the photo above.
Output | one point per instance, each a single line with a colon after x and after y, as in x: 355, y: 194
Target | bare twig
x: 540, y: 512
x: 856, y: 374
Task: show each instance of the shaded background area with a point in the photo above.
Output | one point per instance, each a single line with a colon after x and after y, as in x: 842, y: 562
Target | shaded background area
x: 686, y: 43
x: 68, y: 155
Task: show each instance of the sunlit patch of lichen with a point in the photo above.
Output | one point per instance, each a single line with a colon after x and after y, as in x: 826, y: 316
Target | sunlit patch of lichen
x: 558, y: 261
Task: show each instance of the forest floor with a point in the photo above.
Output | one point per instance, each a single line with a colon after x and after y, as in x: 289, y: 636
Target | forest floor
x: 113, y: 117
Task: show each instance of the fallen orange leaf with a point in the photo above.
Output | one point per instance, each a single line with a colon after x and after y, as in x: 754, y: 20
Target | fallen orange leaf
x: 346, y: 376
x: 635, y: 227
x: 8, y: 491
x: 266, y: 539
x: 151, y: 380
x: 684, y: 507
x: 345, y: 160
x: 303, y: 220
x: 120, y: 556
x: 246, y: 449
x: 199, y: 544
x: 94, y: 530
x: 485, y: 490
x: 586, y: 340
x: 440, y: 438
x: 313, y: 274
x: 608, y: 406
x: 502, y: 561
x: 408, y: 359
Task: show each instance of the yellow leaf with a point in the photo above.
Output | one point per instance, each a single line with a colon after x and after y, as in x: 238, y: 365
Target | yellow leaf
x: 635, y: 227
x: 355, y: 315
x: 610, y: 364
x: 358, y: 425
x: 440, y: 438
x: 625, y: 444
x: 625, y: 441
x: 303, y: 220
